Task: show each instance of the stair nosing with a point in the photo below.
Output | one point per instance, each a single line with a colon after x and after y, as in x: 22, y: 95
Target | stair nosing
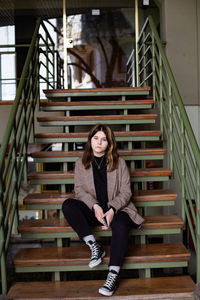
x: 82, y: 254
x: 60, y: 225
x: 147, y: 288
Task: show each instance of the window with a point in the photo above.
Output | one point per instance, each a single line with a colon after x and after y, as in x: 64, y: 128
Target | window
x: 7, y: 63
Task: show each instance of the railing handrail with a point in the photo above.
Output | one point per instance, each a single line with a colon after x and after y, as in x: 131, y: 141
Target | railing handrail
x: 188, y: 127
x: 20, y: 130
x: 13, y: 112
x: 184, y: 153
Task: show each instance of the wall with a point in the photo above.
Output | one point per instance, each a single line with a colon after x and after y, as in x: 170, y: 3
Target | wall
x: 180, y: 28
x: 4, y: 116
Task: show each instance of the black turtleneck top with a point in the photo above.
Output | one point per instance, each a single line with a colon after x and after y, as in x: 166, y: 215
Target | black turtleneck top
x: 99, y: 167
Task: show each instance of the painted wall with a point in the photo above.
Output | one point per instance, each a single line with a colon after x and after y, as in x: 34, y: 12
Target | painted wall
x: 180, y: 28
x: 4, y: 116
x: 193, y: 112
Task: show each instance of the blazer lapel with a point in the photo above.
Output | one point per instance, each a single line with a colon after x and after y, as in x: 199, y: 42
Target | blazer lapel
x: 90, y: 181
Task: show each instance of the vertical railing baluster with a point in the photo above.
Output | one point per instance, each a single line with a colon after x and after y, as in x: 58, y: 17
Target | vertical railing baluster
x: 54, y: 67
x: 183, y: 173
x: 65, y: 148
x: 138, y: 67
x: 2, y: 240
x: 47, y: 62
x: 161, y: 93
x: 25, y: 126
x: 14, y: 180
x: 153, y: 66
x: 133, y: 70
x: 3, y: 270
x: 15, y: 195
x: 32, y: 104
x: 170, y: 127
x: 198, y: 223
x: 37, y: 89
x: 144, y: 73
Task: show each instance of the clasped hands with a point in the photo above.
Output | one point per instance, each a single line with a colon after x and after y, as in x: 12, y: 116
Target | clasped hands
x: 99, y: 214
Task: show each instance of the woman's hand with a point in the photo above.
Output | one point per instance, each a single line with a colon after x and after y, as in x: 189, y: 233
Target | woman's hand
x: 99, y: 214
x: 109, y: 217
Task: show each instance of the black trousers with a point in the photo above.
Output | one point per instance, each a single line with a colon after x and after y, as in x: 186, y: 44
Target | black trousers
x: 81, y: 218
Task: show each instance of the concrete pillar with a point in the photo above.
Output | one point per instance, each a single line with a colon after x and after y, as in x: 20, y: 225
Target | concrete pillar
x: 24, y: 28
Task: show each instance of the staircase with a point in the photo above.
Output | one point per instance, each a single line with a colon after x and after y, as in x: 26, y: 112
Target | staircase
x: 129, y: 111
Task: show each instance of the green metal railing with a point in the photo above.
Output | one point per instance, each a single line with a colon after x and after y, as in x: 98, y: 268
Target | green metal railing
x: 184, y: 153
x: 51, y: 65
x: 19, y: 132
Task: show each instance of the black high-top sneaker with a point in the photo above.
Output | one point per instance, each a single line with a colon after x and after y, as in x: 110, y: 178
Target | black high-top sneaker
x: 97, y: 253
x: 110, y: 284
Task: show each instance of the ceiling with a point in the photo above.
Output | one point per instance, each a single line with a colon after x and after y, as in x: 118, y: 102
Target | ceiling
x: 48, y: 9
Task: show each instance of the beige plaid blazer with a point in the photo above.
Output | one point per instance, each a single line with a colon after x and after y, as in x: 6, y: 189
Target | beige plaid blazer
x: 118, y: 185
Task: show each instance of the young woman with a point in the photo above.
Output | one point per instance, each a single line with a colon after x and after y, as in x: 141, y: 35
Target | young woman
x: 102, y: 197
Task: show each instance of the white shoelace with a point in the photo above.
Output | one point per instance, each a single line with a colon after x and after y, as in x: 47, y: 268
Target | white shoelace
x: 95, y: 250
x: 110, y: 281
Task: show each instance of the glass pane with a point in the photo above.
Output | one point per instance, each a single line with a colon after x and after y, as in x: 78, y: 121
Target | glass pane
x: 7, y: 63
x: 102, y: 42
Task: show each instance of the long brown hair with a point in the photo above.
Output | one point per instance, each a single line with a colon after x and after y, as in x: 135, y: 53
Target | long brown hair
x: 111, y: 153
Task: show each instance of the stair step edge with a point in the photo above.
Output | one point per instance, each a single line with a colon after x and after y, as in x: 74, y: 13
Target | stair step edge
x: 81, y: 254
x: 143, y: 195
x: 70, y: 174
x: 55, y: 154
x: 145, y: 288
x: 60, y: 225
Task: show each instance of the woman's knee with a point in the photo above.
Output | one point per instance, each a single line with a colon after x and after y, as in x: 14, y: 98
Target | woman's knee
x: 68, y: 205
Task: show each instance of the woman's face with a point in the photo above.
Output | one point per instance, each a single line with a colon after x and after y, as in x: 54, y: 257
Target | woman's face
x: 99, y: 143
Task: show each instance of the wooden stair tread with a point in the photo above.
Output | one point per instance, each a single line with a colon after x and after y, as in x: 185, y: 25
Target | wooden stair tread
x: 85, y: 134
x: 45, y: 154
x: 70, y: 174
x: 97, y: 118
x: 45, y: 198
x: 51, y: 175
x: 139, y: 196
x: 45, y: 103
x: 30, y: 148
x: 61, y: 225
x: 151, y: 172
x: 96, y: 90
x: 81, y: 254
x: 154, y: 195
x: 89, y: 289
x: 134, y: 152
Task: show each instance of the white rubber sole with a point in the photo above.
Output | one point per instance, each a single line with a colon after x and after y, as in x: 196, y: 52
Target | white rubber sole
x: 105, y: 293
x: 97, y: 262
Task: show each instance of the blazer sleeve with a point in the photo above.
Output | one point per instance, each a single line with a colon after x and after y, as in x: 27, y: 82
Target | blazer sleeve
x: 123, y: 195
x: 81, y: 186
